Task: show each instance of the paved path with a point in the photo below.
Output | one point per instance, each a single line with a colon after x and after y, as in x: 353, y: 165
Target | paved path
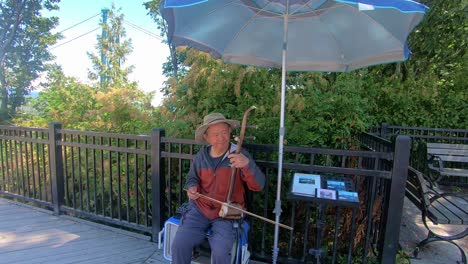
x: 412, y: 231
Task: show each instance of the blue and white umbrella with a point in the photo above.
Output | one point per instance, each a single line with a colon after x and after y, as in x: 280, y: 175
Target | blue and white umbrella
x: 295, y: 35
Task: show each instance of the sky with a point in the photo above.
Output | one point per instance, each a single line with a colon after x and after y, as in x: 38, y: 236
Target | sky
x: 148, y: 52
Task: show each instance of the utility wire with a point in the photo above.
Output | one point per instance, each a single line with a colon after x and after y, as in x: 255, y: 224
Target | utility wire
x: 80, y: 23
x: 133, y: 25
x: 139, y: 28
x: 61, y: 44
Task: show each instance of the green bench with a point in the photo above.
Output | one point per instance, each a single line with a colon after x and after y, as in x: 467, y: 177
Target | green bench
x: 437, y: 207
x: 447, y: 160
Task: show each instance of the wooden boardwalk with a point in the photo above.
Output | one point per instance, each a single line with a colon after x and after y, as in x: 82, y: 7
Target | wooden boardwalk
x: 33, y: 235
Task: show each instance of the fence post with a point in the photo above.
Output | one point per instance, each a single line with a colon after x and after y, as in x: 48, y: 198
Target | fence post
x: 56, y: 166
x: 383, y: 130
x: 394, y: 203
x: 157, y: 182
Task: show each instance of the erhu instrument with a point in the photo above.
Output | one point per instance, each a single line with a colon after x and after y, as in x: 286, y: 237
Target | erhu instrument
x: 232, y: 211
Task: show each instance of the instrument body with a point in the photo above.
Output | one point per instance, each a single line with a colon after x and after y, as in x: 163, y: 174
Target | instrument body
x: 231, y: 212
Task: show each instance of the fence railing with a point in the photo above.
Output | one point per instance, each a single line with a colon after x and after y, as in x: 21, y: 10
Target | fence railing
x: 420, y: 136
x: 24, y: 158
x: 438, y: 135
x: 136, y: 182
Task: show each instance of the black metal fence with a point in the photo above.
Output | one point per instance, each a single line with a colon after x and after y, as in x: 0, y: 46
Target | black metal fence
x: 135, y: 181
x: 420, y: 136
x: 425, y: 134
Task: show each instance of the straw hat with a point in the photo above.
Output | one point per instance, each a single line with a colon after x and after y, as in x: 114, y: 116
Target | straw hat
x: 211, y: 119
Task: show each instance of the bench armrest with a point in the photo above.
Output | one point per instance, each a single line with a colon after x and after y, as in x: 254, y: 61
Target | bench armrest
x: 433, y: 158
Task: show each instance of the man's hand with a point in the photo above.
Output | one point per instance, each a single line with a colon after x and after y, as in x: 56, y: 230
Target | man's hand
x: 193, y: 193
x: 238, y: 160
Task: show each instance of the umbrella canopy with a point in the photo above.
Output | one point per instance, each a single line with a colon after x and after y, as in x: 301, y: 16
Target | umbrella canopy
x: 331, y: 36
x: 295, y: 35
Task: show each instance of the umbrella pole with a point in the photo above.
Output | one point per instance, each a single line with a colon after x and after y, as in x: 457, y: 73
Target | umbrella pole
x: 282, y: 131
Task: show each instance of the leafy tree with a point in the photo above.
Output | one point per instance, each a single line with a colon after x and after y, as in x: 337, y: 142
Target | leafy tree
x: 430, y: 88
x: 122, y: 110
x: 24, y: 39
x: 118, y: 107
x: 63, y: 100
x: 113, y: 49
x: 80, y: 106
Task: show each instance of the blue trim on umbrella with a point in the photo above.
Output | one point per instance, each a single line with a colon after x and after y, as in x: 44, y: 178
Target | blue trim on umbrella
x: 407, y: 51
x: 404, y: 6
x: 182, y: 3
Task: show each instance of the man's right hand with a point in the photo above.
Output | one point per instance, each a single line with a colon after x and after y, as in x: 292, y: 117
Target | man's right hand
x: 193, y: 193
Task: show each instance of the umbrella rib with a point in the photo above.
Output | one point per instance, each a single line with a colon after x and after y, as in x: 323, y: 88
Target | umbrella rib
x: 335, y: 5
x: 303, y: 5
x: 261, y: 9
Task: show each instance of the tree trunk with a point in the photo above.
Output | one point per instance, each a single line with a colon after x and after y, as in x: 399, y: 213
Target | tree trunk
x: 175, y: 64
x: 4, y: 102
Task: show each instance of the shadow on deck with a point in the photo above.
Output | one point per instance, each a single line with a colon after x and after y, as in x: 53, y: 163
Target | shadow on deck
x: 33, y: 235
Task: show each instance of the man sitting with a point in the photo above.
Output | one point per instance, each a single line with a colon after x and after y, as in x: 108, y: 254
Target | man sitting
x: 210, y: 175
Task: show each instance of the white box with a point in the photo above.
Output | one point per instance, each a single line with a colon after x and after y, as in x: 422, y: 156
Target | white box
x: 305, y: 184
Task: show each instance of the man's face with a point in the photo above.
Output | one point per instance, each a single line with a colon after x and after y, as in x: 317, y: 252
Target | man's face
x: 218, y: 135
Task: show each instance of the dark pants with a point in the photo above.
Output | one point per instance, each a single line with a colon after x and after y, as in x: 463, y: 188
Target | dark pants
x: 192, y: 232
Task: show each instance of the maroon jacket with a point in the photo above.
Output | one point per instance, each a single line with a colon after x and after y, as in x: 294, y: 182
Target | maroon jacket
x: 213, y: 180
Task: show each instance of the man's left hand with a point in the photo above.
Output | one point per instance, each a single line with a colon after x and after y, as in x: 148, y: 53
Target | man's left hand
x: 238, y: 160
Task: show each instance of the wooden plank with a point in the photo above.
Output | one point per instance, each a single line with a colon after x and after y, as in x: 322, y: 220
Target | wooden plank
x: 460, y: 206
x: 8, y: 210
x: 445, y: 145
x: 36, y: 228
x: 453, y: 172
x: 412, y: 189
x: 445, y: 154
x: 44, y: 251
x: 13, y: 215
x: 449, y: 211
x: 24, y: 218
x: 27, y: 225
x: 437, y: 214
x: 38, y: 225
x: 39, y: 237
x: 110, y: 251
x: 454, y: 152
x: 81, y: 250
x: 46, y: 240
x: 47, y: 233
x: 136, y: 256
x: 415, y: 200
x: 463, y: 159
